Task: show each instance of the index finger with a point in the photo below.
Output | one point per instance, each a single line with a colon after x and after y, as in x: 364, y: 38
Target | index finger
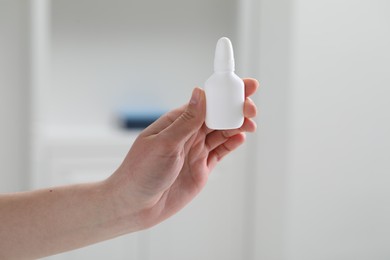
x: 163, y: 122
x: 251, y: 85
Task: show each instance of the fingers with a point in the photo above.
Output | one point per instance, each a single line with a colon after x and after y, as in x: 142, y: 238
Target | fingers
x: 217, y: 138
x: 250, y: 109
x: 224, y: 149
x: 163, y: 122
x: 251, y: 85
x: 189, y: 121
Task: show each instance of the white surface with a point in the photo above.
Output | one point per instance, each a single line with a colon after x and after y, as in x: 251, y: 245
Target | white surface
x: 323, y: 146
x: 339, y: 196
x: 125, y: 247
x: 110, y: 55
x: 14, y: 96
x: 273, y: 22
x: 80, y: 154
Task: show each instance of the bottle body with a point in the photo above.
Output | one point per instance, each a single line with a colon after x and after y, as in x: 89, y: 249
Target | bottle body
x: 225, y: 96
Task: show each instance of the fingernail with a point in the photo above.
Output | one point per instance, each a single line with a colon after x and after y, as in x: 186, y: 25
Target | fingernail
x: 195, y: 96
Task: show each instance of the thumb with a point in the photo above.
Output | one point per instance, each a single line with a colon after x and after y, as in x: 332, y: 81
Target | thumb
x: 190, y: 121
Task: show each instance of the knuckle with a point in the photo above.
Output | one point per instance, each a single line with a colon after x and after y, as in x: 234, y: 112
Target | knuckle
x: 188, y: 115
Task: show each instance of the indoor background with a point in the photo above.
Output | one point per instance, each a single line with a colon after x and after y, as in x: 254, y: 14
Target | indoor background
x: 312, y: 182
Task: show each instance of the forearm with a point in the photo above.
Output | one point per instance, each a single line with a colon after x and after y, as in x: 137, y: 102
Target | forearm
x: 49, y: 221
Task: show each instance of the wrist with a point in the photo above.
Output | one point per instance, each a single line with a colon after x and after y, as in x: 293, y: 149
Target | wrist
x: 124, y: 215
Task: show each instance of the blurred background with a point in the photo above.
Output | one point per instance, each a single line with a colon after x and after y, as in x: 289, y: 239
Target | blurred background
x: 312, y: 183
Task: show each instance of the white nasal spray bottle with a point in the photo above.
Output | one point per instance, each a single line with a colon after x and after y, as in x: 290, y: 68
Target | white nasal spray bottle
x: 224, y: 91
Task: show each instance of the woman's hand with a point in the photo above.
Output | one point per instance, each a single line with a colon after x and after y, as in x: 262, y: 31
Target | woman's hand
x: 170, y: 161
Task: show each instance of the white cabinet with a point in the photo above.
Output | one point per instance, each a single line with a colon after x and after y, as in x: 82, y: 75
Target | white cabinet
x: 80, y: 155
x: 116, y: 249
x: 91, y: 60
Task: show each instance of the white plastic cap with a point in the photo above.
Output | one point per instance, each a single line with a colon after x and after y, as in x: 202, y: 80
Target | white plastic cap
x: 224, y: 57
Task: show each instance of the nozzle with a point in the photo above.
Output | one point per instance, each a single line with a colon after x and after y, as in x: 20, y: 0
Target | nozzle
x: 224, y: 57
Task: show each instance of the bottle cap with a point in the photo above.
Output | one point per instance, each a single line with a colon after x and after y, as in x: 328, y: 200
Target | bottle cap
x: 224, y: 57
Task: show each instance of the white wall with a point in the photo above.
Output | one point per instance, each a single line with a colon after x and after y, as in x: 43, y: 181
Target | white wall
x: 129, y: 54
x: 323, y: 171
x: 339, y: 172
x: 13, y: 95
x: 274, y: 97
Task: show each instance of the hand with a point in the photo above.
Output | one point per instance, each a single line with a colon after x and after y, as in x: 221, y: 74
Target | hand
x: 170, y: 161
x: 166, y: 167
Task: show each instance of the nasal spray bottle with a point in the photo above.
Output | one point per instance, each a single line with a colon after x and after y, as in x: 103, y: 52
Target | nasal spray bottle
x: 224, y: 91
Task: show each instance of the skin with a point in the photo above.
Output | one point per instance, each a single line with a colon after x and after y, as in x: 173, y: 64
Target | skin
x: 167, y: 166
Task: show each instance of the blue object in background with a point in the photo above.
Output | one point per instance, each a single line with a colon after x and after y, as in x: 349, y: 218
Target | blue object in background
x: 138, y: 118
